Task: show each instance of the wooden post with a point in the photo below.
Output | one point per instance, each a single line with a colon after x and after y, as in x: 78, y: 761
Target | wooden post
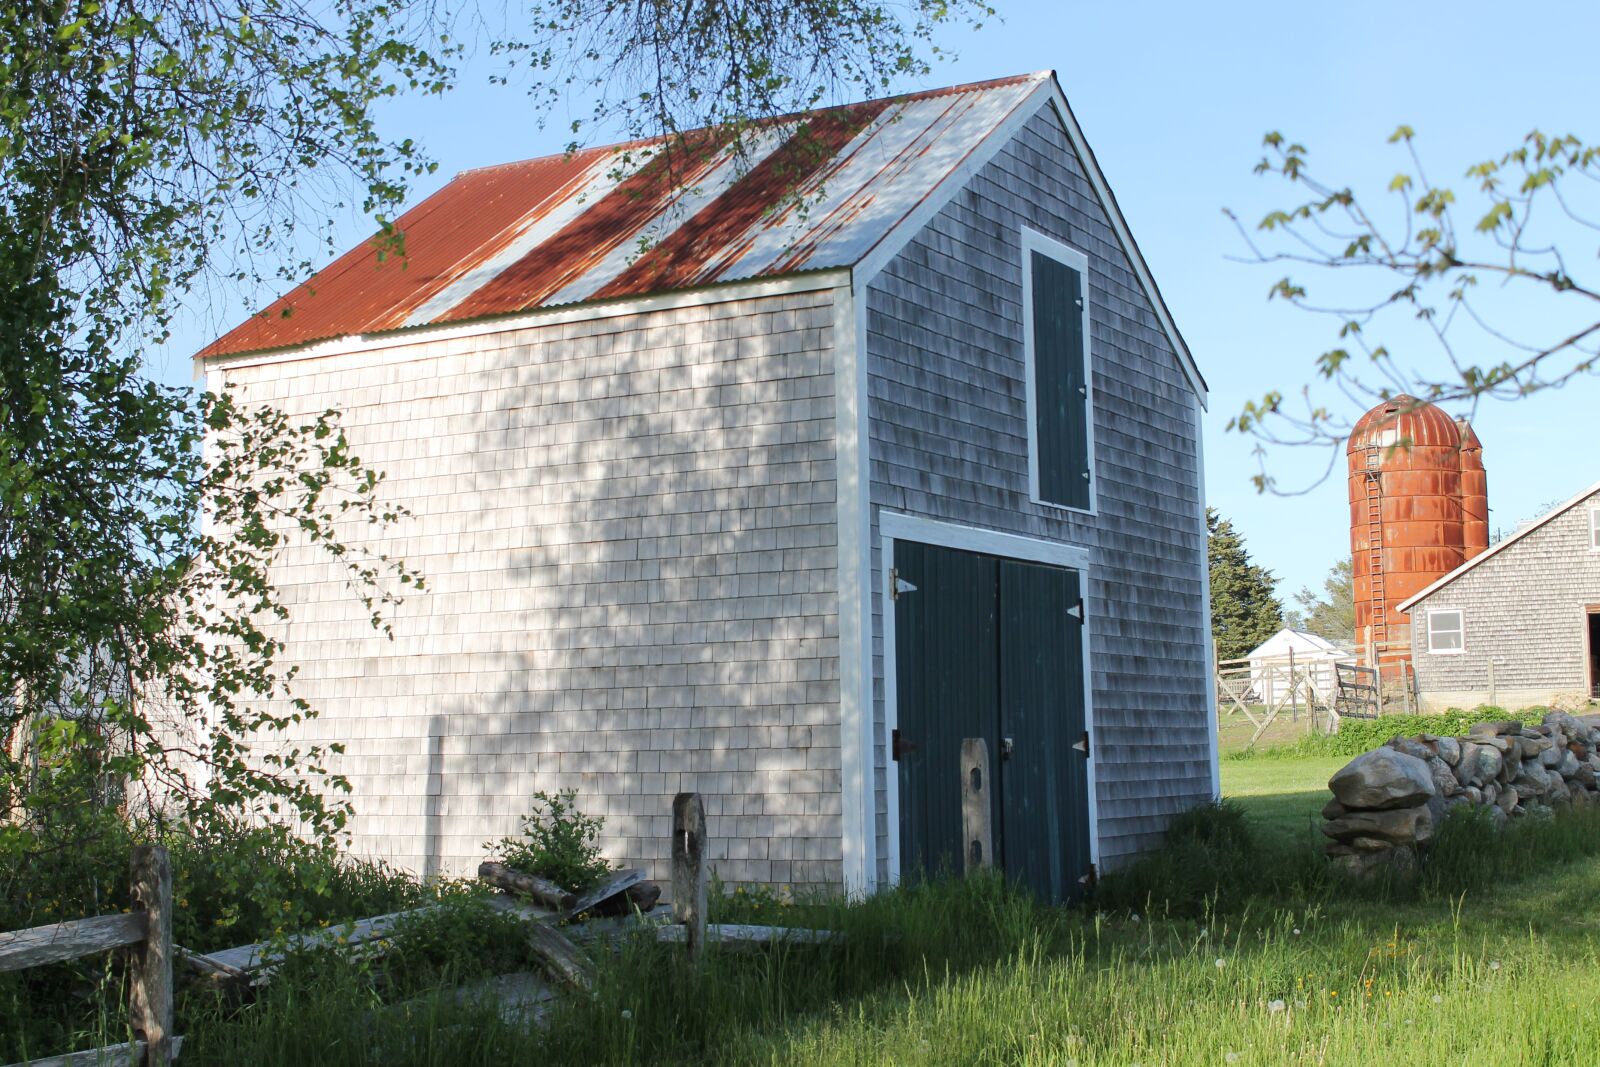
x: 150, y: 965
x: 1493, y: 702
x: 689, y: 870
x: 976, y: 837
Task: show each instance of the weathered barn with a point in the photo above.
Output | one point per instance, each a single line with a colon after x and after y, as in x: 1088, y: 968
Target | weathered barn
x: 1518, y: 625
x: 719, y: 492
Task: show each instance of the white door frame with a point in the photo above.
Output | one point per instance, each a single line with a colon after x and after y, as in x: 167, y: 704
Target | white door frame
x: 894, y: 526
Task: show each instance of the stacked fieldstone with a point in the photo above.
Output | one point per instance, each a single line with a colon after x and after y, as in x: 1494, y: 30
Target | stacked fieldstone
x: 1389, y: 802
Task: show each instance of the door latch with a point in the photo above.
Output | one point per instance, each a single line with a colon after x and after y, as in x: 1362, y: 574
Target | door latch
x: 1006, y: 747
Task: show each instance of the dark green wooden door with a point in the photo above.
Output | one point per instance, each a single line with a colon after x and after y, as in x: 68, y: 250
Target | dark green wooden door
x: 991, y: 648
x: 947, y: 630
x: 1045, y: 781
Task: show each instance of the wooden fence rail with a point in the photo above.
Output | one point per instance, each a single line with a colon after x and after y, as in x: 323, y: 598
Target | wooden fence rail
x: 146, y: 931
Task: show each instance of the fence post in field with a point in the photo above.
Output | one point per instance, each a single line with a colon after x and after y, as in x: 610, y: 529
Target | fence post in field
x: 150, y: 961
x: 976, y: 836
x: 689, y: 870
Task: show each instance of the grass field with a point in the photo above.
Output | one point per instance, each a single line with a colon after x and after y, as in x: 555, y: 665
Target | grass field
x: 1285, y: 966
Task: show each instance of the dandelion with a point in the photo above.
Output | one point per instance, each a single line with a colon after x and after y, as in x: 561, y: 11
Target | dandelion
x: 1437, y: 999
x: 1133, y: 918
x: 1232, y: 1057
x: 626, y: 1014
x: 1275, y: 1006
x: 1494, y: 965
x: 1297, y: 931
x: 1221, y: 963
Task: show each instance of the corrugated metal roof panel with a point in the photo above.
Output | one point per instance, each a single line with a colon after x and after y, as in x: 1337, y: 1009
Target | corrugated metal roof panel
x: 815, y: 191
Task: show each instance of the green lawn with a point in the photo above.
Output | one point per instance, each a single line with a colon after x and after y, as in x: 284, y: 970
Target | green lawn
x: 1283, y: 796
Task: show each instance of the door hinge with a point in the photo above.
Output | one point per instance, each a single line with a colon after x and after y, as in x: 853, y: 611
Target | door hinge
x: 1083, y: 744
x: 898, y: 585
x: 1090, y: 879
x: 899, y: 746
x: 1076, y: 611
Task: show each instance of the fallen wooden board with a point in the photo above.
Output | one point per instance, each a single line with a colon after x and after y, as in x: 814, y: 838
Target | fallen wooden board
x: 522, y: 909
x: 520, y: 997
x: 618, y: 882
x: 207, y: 967
x: 129, y: 1055
x: 545, y: 892
x: 260, y: 958
x: 58, y: 942
x: 736, y: 935
x: 560, y: 955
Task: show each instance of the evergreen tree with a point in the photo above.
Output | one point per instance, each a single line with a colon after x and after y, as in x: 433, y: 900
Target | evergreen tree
x: 1244, y: 609
x: 1333, y: 614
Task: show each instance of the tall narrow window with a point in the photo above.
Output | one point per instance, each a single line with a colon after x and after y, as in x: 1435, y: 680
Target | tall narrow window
x: 1446, y: 630
x: 1594, y: 529
x: 1060, y: 400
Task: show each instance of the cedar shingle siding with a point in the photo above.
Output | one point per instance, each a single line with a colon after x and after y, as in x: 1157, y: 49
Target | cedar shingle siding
x: 1524, y: 609
x: 949, y: 441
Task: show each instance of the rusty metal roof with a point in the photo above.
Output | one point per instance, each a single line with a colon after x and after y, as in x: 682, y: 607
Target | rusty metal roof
x: 811, y: 192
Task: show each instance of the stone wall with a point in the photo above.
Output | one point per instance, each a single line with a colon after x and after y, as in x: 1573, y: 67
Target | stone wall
x: 1389, y: 802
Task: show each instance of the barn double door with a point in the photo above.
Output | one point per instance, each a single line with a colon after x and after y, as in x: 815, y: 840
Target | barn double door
x: 992, y: 648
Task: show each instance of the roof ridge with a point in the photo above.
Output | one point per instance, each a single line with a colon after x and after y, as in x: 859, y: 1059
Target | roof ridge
x: 642, y: 142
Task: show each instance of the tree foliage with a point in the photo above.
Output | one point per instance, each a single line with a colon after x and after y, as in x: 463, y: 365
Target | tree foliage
x: 1244, y: 607
x: 1431, y: 291
x: 150, y: 149
x: 1330, y: 614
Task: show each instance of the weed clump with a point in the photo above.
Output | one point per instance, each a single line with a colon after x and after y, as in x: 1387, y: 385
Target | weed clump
x: 557, y: 843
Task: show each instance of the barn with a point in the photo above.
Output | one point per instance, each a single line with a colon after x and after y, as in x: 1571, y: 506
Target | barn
x: 1519, y: 624
x: 770, y: 479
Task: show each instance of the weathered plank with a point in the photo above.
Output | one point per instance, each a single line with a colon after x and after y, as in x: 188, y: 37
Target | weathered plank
x: 150, y: 961
x: 643, y: 896
x: 689, y: 869
x: 519, y: 997
x: 618, y: 882
x: 737, y: 935
x: 259, y: 957
x: 208, y: 967
x: 40, y: 945
x: 128, y: 1055
x: 522, y: 909
x: 514, y: 881
x: 560, y: 955
x: 978, y: 839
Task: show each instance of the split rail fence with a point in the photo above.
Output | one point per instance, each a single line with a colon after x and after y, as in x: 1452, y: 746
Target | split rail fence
x: 146, y: 931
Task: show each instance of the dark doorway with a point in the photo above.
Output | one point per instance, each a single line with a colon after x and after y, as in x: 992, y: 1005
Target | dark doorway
x: 992, y: 648
x: 1594, y: 652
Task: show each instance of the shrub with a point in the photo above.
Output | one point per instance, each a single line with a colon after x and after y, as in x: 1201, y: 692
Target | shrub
x: 1356, y: 736
x: 557, y: 843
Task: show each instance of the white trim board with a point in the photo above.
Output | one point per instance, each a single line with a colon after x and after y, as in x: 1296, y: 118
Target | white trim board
x: 1031, y: 241
x: 858, y: 804
x: 1205, y: 605
x: 391, y: 341
x: 894, y: 526
x: 1494, y: 550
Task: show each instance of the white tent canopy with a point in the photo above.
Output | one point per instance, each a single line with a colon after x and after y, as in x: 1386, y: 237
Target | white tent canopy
x: 1303, y: 653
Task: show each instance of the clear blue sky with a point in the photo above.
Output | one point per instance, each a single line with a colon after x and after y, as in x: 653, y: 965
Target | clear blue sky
x: 1174, y: 98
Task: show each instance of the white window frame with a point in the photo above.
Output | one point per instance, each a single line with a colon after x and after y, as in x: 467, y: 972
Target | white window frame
x: 1034, y: 241
x: 1461, y: 616
x: 1594, y: 529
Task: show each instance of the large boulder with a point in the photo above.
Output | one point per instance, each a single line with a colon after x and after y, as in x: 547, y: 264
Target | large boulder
x: 1382, y: 779
x: 1494, y: 729
x: 1398, y: 826
x: 1448, y: 749
x: 1445, y: 783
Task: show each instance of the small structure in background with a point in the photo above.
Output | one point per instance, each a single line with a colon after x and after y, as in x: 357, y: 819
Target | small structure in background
x: 1419, y: 509
x: 1519, y: 624
x: 1291, y: 658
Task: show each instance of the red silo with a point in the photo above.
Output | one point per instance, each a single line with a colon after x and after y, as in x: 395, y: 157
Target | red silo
x: 1474, y: 493
x: 1406, y: 527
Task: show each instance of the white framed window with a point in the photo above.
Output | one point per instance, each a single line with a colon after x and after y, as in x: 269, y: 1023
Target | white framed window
x: 1594, y: 529
x: 1060, y: 387
x: 1447, y: 633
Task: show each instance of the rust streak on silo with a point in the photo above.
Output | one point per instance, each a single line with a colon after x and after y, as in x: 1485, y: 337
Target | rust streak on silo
x: 1474, y: 493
